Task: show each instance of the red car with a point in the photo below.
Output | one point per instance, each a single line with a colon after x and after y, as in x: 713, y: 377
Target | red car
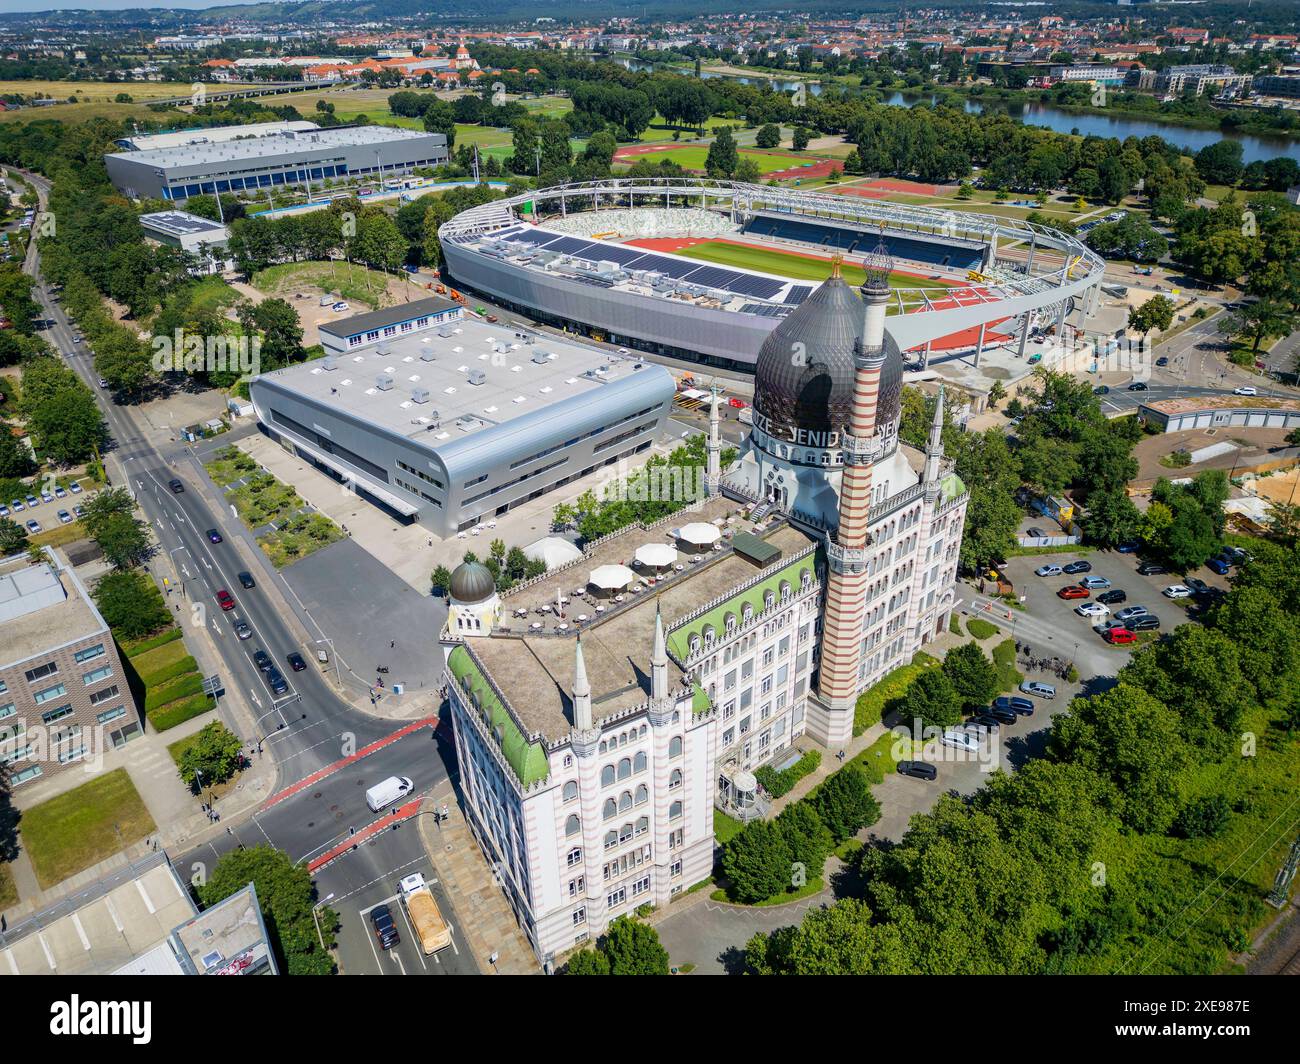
x: 739, y: 404
x: 1074, y: 591
x: 225, y: 599
x: 1119, y: 636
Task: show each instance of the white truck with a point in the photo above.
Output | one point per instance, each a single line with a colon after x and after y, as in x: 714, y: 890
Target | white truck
x: 433, y: 930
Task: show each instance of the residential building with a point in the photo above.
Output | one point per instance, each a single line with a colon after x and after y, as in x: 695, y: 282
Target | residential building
x: 64, y: 697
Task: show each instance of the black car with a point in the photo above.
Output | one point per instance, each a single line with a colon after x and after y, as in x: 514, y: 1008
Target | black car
x: 385, y: 930
x: 1137, y: 386
x: 213, y: 536
x: 1162, y: 361
x: 1077, y: 567
x: 246, y: 581
x: 1109, y: 598
x: 917, y: 770
x: 176, y: 486
x: 296, y: 662
x: 262, y: 660
x: 1143, y: 622
x: 986, y: 721
x: 276, y: 682
x: 1003, y: 716
x: 1023, y: 706
x: 1197, y: 586
x: 1151, y: 569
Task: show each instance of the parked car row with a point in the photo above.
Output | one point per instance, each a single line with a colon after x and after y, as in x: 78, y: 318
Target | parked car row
x: 30, y: 501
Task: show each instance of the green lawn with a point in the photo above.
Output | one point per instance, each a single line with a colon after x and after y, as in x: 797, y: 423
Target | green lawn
x: 84, y: 826
x: 350, y: 280
x: 725, y: 828
x: 795, y: 267
x: 693, y: 156
x: 8, y: 889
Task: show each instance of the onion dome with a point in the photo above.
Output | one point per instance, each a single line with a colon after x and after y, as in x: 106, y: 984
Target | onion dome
x: 472, y: 582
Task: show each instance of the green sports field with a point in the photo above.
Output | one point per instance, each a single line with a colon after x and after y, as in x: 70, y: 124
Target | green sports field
x: 796, y: 267
x: 692, y: 157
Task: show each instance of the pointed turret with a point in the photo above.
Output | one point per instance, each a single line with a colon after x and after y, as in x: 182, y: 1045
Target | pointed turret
x: 934, y: 448
x: 581, y: 691
x: 659, y: 661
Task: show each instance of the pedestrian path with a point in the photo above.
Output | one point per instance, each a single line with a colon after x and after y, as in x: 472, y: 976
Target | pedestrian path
x: 485, y: 917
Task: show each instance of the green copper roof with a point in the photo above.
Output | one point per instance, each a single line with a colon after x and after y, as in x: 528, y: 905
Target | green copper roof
x: 951, y: 486
x: 699, y: 699
x: 679, y: 639
x: 528, y: 759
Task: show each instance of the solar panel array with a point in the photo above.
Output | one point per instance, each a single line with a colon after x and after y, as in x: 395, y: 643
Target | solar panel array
x: 678, y: 269
x: 797, y: 294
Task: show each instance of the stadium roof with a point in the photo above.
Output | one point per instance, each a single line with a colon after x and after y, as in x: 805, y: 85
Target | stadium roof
x: 257, y: 147
x: 210, y: 135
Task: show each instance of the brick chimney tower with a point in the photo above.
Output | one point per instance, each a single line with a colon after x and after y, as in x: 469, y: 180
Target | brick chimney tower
x: 846, y: 549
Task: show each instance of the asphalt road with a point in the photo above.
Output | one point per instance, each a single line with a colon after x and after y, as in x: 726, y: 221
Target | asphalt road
x: 306, y: 729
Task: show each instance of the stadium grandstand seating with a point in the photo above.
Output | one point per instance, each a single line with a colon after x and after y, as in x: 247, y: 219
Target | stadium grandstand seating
x: 853, y: 241
x: 630, y: 223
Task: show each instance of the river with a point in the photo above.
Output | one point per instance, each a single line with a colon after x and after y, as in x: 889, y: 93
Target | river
x: 1044, y: 114
x: 1253, y: 146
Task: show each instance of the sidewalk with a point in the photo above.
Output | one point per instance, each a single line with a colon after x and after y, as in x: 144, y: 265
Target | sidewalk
x: 486, y: 919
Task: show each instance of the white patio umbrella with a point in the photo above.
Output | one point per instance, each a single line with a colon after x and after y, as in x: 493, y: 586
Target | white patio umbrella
x: 553, y: 551
x: 611, y: 577
x: 699, y: 534
x: 656, y: 555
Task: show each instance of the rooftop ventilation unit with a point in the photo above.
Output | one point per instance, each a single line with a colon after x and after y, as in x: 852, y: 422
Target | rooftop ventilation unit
x: 382, y: 349
x: 384, y: 382
x: 446, y: 331
x: 419, y: 395
x: 427, y: 355
x: 477, y: 376
x: 541, y: 357
x: 329, y: 362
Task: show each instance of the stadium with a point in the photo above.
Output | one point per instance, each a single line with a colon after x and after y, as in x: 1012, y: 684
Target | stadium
x: 703, y: 270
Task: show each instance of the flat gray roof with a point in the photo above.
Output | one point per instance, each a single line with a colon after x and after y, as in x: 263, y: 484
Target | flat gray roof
x: 513, y: 384
x: 535, y: 672
x: 378, y: 319
x: 62, y: 614
x: 270, y: 147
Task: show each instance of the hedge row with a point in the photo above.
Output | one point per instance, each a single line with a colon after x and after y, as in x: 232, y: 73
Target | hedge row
x: 169, y: 672
x: 781, y: 783
x: 139, y: 646
x: 191, y: 684
x: 885, y: 695
x: 175, y: 713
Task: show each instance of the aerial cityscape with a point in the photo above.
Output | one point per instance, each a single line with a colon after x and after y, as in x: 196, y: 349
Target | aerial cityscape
x: 650, y: 490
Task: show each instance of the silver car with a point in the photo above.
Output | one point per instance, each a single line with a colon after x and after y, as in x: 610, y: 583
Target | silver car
x: 1035, y: 687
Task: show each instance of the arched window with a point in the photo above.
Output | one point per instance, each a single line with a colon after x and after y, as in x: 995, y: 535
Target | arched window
x: 675, y: 779
x: 570, y: 791
x: 603, y: 746
x: 643, y: 825
x: 610, y: 809
x: 769, y: 600
x: 611, y: 839
x: 747, y: 613
x: 675, y: 811
x: 675, y: 746
x: 639, y: 762
x: 642, y: 794
x: 625, y: 768
x: 625, y: 801
x: 572, y: 826
x: 607, y: 775
x: 625, y: 833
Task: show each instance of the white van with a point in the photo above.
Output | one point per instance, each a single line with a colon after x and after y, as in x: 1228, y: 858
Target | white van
x: 383, y: 794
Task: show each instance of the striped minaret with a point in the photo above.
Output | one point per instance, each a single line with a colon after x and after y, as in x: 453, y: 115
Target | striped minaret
x: 846, y: 550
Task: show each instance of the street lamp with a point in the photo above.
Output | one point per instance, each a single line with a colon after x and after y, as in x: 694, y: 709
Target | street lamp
x: 315, y: 910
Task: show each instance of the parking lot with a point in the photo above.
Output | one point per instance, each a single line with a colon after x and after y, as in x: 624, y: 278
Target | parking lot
x: 1049, y: 625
